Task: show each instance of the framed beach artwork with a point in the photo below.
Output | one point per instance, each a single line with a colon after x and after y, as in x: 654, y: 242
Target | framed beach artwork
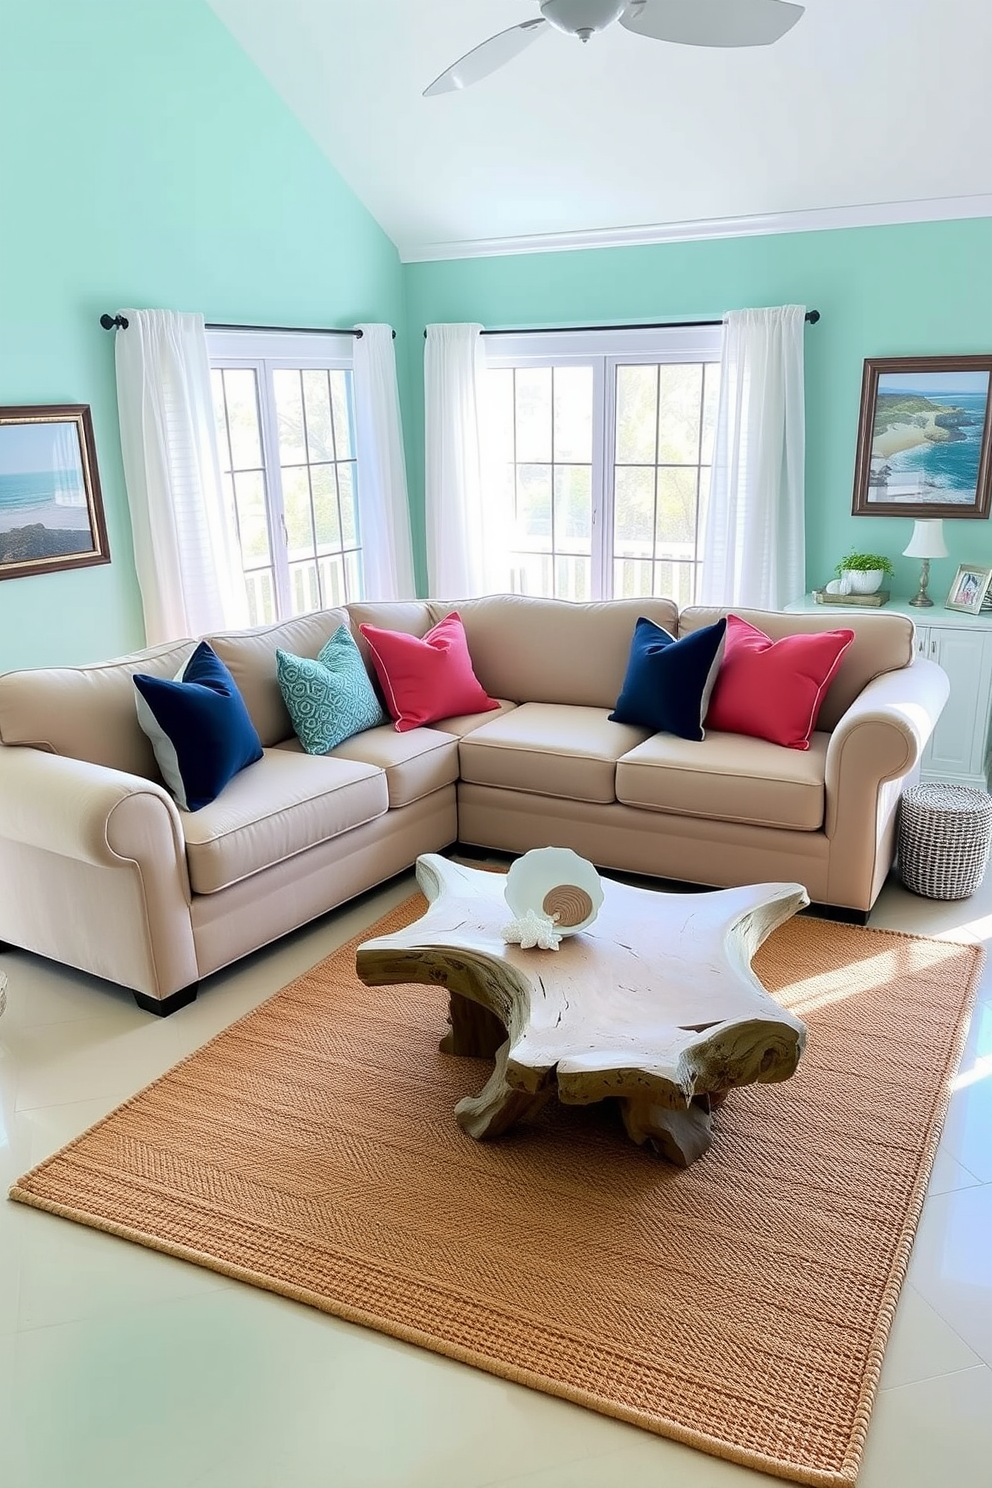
x: 924, y: 438
x: 51, y: 510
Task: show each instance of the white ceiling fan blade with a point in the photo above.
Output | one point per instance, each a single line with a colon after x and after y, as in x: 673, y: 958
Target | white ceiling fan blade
x: 486, y: 57
x: 712, y: 23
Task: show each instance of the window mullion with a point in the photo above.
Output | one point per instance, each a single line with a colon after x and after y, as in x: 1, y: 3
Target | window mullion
x: 603, y: 453
x: 278, y: 535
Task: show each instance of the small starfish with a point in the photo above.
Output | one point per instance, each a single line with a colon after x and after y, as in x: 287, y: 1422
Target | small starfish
x: 533, y: 929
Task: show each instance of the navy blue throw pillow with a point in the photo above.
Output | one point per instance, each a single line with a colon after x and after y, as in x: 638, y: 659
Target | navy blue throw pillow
x: 668, y: 683
x: 198, y: 726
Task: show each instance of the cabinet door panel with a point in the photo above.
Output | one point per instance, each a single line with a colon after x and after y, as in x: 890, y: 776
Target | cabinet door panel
x: 958, y: 745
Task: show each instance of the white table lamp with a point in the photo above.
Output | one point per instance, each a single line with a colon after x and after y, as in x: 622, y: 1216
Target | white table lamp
x: 926, y: 542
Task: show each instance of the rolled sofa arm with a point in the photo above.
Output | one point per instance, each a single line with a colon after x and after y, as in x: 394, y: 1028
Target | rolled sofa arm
x: 875, y: 746
x: 93, y: 871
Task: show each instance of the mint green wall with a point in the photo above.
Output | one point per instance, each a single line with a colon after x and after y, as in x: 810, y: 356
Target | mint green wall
x: 923, y: 289
x: 149, y: 163
x: 146, y: 162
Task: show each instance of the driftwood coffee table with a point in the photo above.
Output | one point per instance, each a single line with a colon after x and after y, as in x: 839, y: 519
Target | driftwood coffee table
x: 655, y: 1003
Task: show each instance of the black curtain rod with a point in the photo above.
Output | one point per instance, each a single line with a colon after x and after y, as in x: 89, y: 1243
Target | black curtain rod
x: 812, y: 316
x: 120, y: 323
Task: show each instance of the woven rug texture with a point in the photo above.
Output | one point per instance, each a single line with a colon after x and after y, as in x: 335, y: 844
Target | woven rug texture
x: 740, y: 1307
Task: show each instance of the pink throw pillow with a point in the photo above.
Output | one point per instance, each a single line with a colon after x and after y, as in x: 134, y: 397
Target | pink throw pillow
x: 426, y: 679
x: 773, y: 689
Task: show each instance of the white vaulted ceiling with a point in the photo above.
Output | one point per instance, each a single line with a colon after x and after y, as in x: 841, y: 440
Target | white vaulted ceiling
x: 868, y: 110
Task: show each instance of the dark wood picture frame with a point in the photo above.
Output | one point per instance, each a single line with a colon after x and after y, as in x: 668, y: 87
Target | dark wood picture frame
x: 51, y: 506
x: 946, y: 449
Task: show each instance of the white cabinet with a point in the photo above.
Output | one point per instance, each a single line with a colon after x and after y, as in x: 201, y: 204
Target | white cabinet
x: 959, y: 746
x: 958, y: 751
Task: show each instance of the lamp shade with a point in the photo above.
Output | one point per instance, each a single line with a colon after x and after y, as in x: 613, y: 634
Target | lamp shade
x: 927, y: 540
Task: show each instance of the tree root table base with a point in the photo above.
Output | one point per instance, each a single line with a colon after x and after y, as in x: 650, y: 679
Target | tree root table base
x: 654, y: 1004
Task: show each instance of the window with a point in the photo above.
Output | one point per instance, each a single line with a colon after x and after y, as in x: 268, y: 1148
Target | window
x: 599, y: 447
x: 285, y: 431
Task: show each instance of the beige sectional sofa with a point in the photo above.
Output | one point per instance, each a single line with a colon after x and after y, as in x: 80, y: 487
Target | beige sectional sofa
x: 101, y: 871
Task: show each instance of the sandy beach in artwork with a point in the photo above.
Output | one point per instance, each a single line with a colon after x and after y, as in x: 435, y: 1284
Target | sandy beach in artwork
x: 50, y: 514
x: 898, y: 437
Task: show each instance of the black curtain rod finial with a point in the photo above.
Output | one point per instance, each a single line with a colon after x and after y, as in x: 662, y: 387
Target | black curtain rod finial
x: 120, y: 323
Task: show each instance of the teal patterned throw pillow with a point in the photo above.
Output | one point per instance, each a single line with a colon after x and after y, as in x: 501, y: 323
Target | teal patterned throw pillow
x: 329, y: 698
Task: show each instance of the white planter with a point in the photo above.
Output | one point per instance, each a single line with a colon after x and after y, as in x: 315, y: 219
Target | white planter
x: 862, y: 581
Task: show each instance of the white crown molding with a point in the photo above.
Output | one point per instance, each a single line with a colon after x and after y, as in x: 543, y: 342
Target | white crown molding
x: 872, y: 214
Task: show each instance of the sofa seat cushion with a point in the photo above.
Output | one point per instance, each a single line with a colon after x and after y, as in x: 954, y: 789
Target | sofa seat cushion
x: 727, y: 777
x: 465, y: 723
x: 552, y: 749
x: 275, y: 809
x: 415, y: 764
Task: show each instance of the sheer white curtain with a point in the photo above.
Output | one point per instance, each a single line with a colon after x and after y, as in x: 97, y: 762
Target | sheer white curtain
x: 754, y: 538
x: 387, y: 551
x: 185, y: 546
x: 465, y: 536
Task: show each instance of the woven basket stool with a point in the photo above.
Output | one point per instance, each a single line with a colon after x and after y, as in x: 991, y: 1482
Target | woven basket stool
x: 944, y: 837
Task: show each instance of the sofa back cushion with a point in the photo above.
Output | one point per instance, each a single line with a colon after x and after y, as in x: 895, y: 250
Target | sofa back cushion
x: 250, y: 657
x: 882, y: 643
x: 88, y: 712
x: 554, y: 650
x: 412, y: 616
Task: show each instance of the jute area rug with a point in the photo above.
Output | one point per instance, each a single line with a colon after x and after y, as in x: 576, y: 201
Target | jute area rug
x: 741, y: 1307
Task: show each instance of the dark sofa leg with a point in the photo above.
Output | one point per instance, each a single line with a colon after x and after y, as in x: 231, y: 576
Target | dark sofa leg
x: 163, y: 1006
x: 839, y: 913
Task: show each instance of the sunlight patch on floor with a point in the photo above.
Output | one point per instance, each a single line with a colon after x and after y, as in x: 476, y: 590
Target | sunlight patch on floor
x: 876, y: 971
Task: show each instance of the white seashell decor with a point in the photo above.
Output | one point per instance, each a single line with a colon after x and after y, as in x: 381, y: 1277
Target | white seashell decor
x: 556, y: 884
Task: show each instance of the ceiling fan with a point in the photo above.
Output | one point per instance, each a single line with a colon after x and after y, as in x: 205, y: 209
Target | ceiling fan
x: 709, y: 23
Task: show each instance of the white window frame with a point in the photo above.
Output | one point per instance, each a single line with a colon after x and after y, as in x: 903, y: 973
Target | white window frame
x: 265, y: 352
x: 603, y: 351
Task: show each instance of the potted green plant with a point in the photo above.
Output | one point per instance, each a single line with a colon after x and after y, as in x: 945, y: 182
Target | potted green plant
x: 862, y: 573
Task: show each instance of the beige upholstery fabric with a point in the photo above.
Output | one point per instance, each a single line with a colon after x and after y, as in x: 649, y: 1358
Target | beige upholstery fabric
x: 256, y: 910
x: 465, y: 723
x: 729, y: 778
x: 250, y: 657
x: 687, y: 849
x: 552, y: 650
x: 872, y: 755
x: 881, y: 644
x: 276, y: 809
x: 99, y: 870
x: 416, y: 763
x: 550, y: 749
x: 121, y: 928
x: 87, y: 712
x: 92, y: 871
x: 410, y: 615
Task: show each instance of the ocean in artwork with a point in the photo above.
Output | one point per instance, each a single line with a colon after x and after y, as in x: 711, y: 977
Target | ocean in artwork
x: 927, y: 437
x: 43, y: 514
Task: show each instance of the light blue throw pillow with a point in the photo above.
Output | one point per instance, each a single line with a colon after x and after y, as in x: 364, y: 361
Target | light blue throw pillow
x: 328, y: 698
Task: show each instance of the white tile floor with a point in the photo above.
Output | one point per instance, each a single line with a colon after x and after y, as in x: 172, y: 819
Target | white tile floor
x: 120, y: 1368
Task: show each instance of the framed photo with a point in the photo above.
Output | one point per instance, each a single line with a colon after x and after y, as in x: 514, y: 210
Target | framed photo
x: 924, y: 438
x: 969, y: 589
x: 51, y: 509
